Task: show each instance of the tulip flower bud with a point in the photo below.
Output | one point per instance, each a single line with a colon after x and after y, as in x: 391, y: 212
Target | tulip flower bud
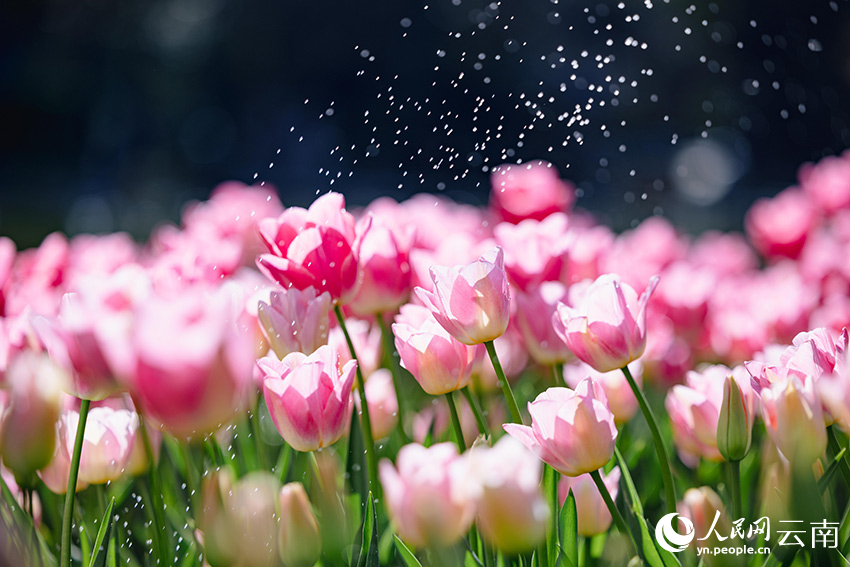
x: 734, y: 428
x: 300, y: 542
x: 29, y: 425
x: 239, y: 520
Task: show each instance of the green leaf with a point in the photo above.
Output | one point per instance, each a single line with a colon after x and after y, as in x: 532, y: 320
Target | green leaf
x: 550, y: 487
x: 569, y: 532
x: 829, y: 473
x: 633, y: 498
x: 406, y: 555
x: 101, y: 542
x: 355, y: 464
x: 469, y: 560
x: 655, y: 556
x: 369, y: 539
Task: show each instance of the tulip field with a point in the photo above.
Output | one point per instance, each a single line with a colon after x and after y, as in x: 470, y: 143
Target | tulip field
x: 432, y: 384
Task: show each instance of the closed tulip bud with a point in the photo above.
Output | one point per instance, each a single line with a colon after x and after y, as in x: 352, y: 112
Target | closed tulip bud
x: 239, y: 520
x: 309, y: 397
x: 512, y: 512
x: 438, y: 361
x: 607, y: 329
x: 300, y: 541
x: 573, y: 431
x: 295, y: 320
x: 383, y: 403
x: 471, y: 302
x: 29, y: 424
x: 734, y: 428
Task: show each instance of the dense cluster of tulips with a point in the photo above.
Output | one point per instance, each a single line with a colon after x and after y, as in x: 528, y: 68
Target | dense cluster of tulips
x: 427, y: 383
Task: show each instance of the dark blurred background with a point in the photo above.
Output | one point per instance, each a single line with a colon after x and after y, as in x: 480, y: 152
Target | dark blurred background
x: 114, y: 114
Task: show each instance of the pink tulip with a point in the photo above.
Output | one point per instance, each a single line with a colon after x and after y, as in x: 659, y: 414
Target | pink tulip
x: 313, y: 248
x: 512, y: 513
x: 188, y: 365
x: 792, y: 415
x: 471, y: 302
x: 534, y: 313
x: 535, y: 251
x: 700, y: 506
x: 572, y: 430
x: 8, y: 251
x: 383, y: 403
x: 621, y: 399
x: 694, y: 411
x: 439, y: 363
x: 309, y: 397
x: 780, y: 225
x: 592, y: 513
x: 29, y: 421
x: 108, y: 442
x: 827, y: 183
x: 427, y: 494
x: 529, y: 191
x: 607, y: 329
x: 37, y: 276
x: 384, y: 258
x: 294, y: 320
x: 683, y: 294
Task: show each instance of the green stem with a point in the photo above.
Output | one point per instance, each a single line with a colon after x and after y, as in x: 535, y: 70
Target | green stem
x: 660, y: 448
x: 513, y: 408
x: 483, y: 427
x: 314, y: 464
x: 70, y: 495
x: 456, y: 422
x: 555, y: 507
x: 588, y: 557
x: 368, y: 438
x: 156, y: 494
x: 281, y: 469
x: 558, y: 374
x: 254, y: 424
x: 395, y: 370
x: 615, y: 512
x: 192, y: 480
x: 835, y: 447
x: 734, y: 468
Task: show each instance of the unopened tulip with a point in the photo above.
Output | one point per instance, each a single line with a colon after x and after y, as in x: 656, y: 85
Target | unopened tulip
x: 29, y: 424
x: 535, y: 309
x: 793, y: 418
x: 295, y: 321
x: 512, y: 513
x: 735, y: 423
x: 591, y: 511
x: 309, y: 397
x: 427, y: 496
x: 607, y: 329
x: 572, y: 430
x: 529, y: 191
x: 471, y: 302
x: 438, y: 361
x: 315, y: 248
x: 239, y: 520
x: 384, y: 258
x: 300, y: 540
